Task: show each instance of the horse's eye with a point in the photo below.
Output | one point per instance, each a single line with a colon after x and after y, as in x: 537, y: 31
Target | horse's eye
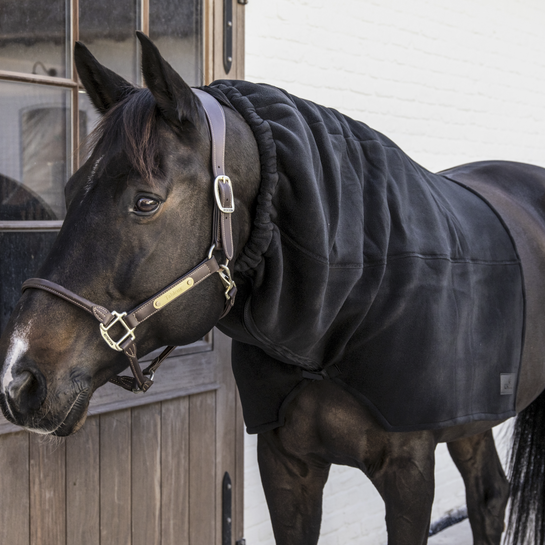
x: 146, y: 205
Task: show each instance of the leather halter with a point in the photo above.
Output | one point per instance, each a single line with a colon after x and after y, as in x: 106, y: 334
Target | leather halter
x: 222, y: 239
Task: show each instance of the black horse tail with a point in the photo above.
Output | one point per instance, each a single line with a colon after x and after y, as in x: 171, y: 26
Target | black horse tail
x: 527, y: 476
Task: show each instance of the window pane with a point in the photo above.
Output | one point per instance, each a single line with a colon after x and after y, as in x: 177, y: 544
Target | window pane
x: 22, y: 254
x: 176, y: 28
x: 34, y: 144
x: 33, y: 36
x: 107, y: 28
x: 88, y: 119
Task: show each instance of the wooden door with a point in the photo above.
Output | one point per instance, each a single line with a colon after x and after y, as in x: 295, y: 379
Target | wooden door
x: 145, y: 469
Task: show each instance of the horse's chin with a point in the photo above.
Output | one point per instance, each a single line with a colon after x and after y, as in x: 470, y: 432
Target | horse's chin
x: 72, y: 421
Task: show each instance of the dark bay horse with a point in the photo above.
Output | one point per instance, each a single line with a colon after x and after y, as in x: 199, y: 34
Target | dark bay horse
x: 141, y: 212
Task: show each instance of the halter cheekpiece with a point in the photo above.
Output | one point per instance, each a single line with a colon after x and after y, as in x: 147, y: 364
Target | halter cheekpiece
x: 222, y: 239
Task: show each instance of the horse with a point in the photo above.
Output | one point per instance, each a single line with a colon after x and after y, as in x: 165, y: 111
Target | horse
x: 141, y: 211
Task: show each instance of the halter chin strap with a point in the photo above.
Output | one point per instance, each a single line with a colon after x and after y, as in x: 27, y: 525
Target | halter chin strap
x: 222, y: 239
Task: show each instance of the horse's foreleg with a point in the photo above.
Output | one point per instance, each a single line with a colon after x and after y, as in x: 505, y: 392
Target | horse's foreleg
x: 404, y: 478
x: 487, y: 489
x: 293, y: 487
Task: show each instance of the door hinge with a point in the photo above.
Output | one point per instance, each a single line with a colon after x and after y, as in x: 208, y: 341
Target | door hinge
x: 226, y: 510
x: 227, y: 35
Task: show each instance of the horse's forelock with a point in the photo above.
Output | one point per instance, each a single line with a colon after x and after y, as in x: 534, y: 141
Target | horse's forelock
x: 130, y: 128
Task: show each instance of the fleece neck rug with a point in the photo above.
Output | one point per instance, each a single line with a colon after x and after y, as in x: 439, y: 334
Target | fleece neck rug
x: 400, y: 285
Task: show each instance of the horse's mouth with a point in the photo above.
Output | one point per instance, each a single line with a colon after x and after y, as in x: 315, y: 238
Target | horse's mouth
x: 76, y: 416
x: 72, y: 421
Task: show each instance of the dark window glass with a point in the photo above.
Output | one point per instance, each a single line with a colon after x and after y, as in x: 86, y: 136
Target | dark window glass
x: 176, y: 29
x: 107, y: 28
x: 34, y: 151
x: 33, y: 36
x: 22, y: 254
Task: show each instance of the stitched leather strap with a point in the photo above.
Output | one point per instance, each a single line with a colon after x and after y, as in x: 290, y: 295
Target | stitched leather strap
x: 171, y: 292
x: 103, y: 315
x: 140, y: 383
x: 224, y: 192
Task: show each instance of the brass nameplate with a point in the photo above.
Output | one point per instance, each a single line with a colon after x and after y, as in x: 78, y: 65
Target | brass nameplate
x: 174, y: 292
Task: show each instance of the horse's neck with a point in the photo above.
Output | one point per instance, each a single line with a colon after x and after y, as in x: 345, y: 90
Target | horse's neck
x: 243, y: 167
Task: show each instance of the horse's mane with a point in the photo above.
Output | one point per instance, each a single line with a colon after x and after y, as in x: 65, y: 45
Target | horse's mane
x: 130, y: 128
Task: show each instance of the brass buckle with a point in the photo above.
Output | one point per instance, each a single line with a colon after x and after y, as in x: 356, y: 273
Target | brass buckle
x: 106, y: 336
x: 225, y: 180
x: 228, y: 282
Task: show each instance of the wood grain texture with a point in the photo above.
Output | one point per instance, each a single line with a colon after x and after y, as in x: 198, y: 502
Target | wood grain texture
x: 83, y: 485
x: 238, y: 502
x: 219, y: 70
x: 208, y: 40
x: 47, y: 482
x: 202, y: 475
x: 225, y: 429
x: 14, y: 489
x: 35, y: 78
x: 175, y: 471
x: 146, y: 475
x: 115, y: 478
x: 239, y: 41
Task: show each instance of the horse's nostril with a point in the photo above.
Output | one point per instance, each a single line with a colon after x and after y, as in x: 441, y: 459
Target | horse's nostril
x: 26, y: 391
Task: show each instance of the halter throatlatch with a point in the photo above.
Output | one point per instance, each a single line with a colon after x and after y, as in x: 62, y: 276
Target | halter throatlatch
x: 222, y: 239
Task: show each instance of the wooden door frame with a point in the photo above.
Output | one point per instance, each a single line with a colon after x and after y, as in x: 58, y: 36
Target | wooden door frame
x: 213, y: 41
x: 214, y: 352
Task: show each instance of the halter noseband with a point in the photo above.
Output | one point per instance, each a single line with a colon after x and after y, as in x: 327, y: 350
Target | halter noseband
x: 222, y: 239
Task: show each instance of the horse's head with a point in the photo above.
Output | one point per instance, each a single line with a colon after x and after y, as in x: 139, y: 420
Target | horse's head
x: 140, y: 215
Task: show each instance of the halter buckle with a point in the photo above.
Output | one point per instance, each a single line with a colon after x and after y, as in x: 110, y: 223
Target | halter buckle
x: 228, y: 282
x: 106, y: 336
x: 225, y: 180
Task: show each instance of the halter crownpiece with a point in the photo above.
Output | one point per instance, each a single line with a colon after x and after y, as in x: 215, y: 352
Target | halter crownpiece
x: 222, y: 239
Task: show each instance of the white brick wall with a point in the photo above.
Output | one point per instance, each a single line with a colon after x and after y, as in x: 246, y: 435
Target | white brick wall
x: 450, y: 82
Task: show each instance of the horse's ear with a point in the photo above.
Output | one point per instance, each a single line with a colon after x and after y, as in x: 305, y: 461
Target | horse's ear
x: 174, y: 97
x: 105, y: 88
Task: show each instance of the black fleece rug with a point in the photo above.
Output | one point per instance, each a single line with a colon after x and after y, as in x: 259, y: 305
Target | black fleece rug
x: 400, y: 285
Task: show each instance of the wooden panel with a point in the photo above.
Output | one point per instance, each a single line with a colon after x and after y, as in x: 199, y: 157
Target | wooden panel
x: 175, y: 471
x: 202, y: 478
x: 218, y: 70
x: 35, y: 78
x: 238, y: 502
x: 47, y: 491
x: 14, y: 500
x: 208, y: 40
x: 146, y: 475
x: 225, y: 429
x: 239, y: 44
x: 115, y: 478
x: 237, y: 68
x: 82, y: 485
x: 30, y: 226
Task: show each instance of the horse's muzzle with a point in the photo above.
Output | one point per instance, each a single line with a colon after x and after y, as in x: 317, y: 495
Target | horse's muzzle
x: 26, y: 392
x: 23, y: 402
